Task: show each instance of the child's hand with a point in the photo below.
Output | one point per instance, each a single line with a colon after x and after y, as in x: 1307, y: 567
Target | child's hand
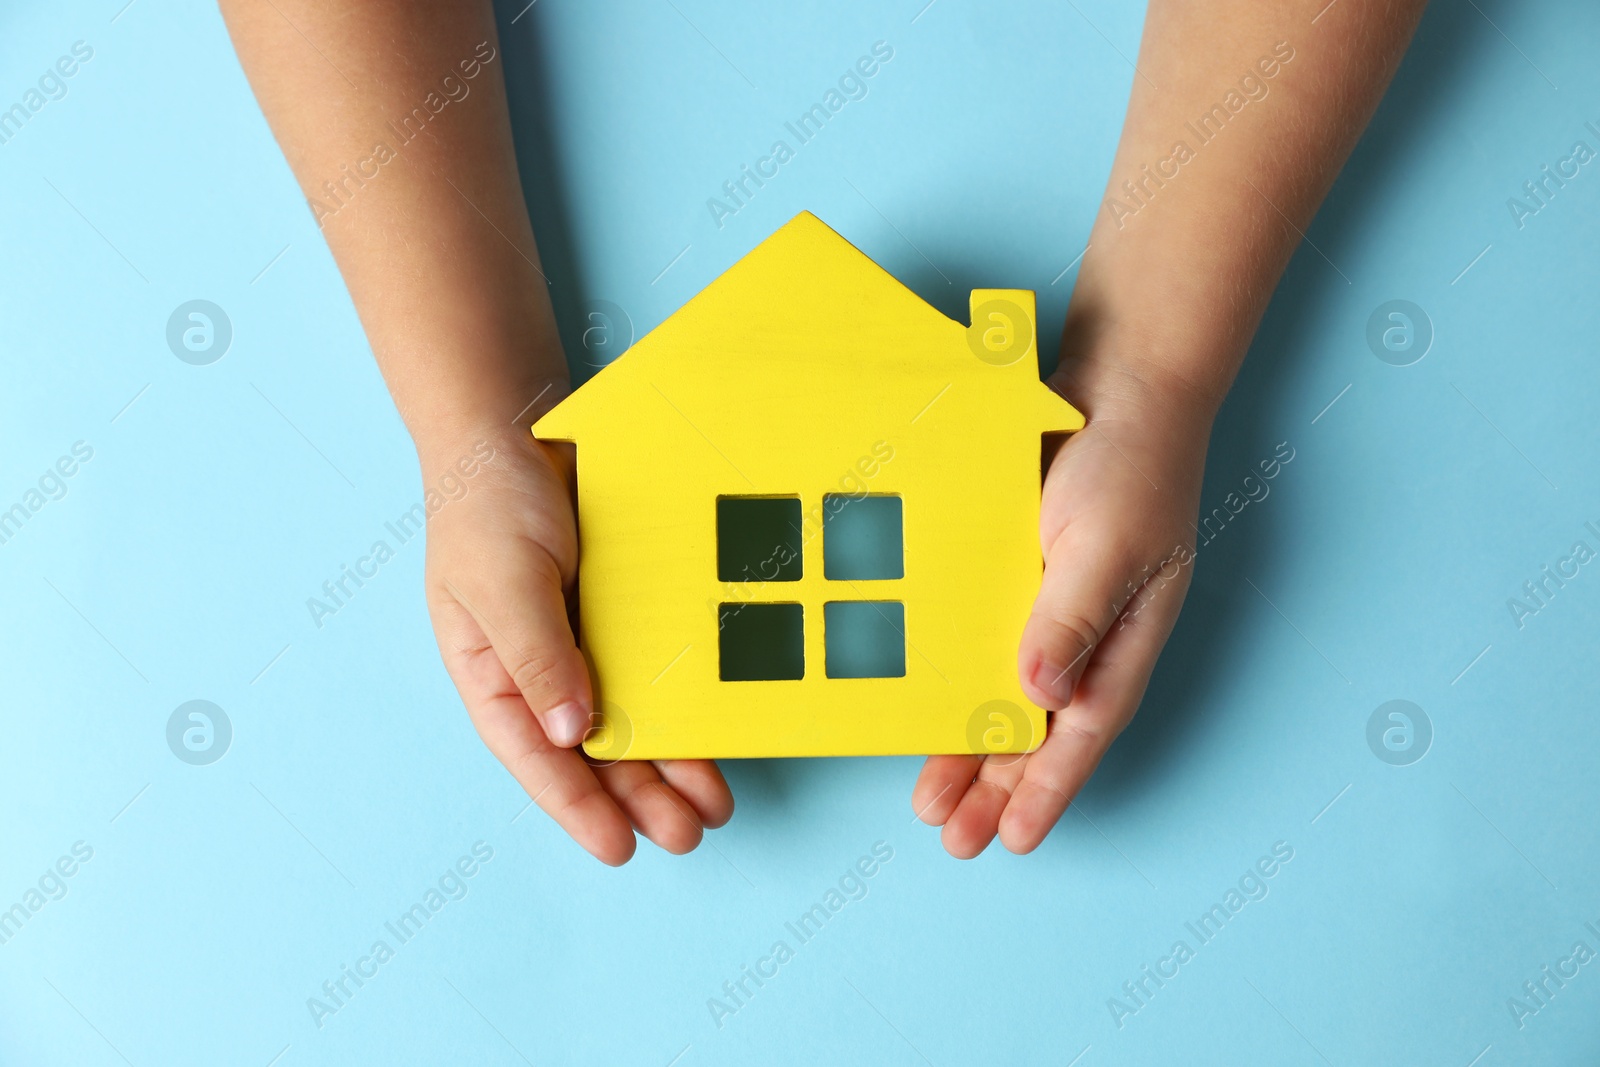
x: 502, y: 562
x: 1178, y: 270
x: 1116, y: 528
x: 440, y: 260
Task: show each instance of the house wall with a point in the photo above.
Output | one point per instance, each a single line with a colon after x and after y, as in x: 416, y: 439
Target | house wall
x: 967, y: 469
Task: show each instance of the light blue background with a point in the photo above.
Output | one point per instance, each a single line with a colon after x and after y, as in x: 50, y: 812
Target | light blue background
x: 178, y: 564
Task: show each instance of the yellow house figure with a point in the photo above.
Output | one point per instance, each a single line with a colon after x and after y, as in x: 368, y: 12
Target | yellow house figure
x: 808, y: 510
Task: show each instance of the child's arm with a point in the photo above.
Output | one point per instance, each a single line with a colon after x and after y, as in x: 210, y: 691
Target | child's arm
x: 432, y: 236
x: 1166, y: 301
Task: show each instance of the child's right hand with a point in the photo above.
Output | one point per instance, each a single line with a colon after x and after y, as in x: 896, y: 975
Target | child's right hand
x: 501, y: 567
x: 440, y: 261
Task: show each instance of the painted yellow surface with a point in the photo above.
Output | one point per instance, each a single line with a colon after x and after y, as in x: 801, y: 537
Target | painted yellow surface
x: 807, y: 370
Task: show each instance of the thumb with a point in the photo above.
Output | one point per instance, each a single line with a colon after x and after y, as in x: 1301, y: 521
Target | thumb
x: 1089, y: 576
x: 523, y: 612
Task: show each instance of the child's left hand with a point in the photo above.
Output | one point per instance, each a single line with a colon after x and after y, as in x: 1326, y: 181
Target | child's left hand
x: 1116, y: 525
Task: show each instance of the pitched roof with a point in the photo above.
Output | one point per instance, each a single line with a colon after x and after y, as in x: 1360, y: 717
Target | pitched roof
x: 764, y: 313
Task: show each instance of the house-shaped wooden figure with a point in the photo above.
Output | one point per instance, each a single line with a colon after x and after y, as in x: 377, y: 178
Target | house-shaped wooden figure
x: 808, y: 510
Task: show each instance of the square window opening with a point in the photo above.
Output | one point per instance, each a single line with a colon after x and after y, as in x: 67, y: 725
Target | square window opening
x: 761, y: 642
x: 863, y: 537
x: 865, y: 638
x: 758, y: 539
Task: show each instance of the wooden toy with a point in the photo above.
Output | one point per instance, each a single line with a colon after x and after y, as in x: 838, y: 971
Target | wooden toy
x: 808, y: 509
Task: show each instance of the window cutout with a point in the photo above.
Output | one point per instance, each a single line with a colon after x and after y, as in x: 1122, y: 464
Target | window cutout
x: 862, y: 537
x: 865, y: 638
x: 758, y: 539
x: 761, y: 642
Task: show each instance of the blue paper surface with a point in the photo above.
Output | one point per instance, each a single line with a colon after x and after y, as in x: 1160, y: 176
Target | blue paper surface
x: 208, y: 903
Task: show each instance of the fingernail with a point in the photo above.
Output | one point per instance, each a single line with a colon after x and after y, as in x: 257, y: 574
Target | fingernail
x: 1053, y: 681
x: 566, y: 725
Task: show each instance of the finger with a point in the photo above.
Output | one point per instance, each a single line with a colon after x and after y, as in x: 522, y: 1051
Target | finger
x: 941, y: 785
x: 520, y: 606
x: 557, y: 779
x: 654, y: 807
x: 976, y: 819
x: 701, y: 784
x: 1106, y: 699
x: 1086, y: 581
